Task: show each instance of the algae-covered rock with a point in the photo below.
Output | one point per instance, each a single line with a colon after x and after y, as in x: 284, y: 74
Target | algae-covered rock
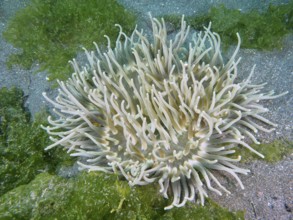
x: 96, y: 196
x: 87, y: 196
x: 22, y: 143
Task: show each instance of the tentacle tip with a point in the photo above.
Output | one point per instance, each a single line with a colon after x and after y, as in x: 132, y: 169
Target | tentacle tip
x: 168, y: 207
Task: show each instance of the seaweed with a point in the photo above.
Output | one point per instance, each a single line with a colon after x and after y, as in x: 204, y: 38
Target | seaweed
x: 98, y: 195
x: 22, y: 143
x: 258, y: 30
x: 274, y: 151
x: 51, y: 32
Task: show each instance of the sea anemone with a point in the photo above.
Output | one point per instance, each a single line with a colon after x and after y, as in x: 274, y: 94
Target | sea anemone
x: 167, y: 111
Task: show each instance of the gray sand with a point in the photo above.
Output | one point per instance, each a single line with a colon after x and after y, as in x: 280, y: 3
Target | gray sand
x: 269, y: 187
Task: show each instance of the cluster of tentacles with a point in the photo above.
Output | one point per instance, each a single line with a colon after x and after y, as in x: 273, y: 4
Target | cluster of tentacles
x: 166, y: 111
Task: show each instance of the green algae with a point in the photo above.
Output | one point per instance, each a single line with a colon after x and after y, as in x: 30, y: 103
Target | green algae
x: 22, y: 143
x: 51, y: 32
x: 97, y: 195
x: 258, y: 30
x: 273, y: 152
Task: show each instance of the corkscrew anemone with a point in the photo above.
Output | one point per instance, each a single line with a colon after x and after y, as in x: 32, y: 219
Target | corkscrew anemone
x: 167, y: 111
